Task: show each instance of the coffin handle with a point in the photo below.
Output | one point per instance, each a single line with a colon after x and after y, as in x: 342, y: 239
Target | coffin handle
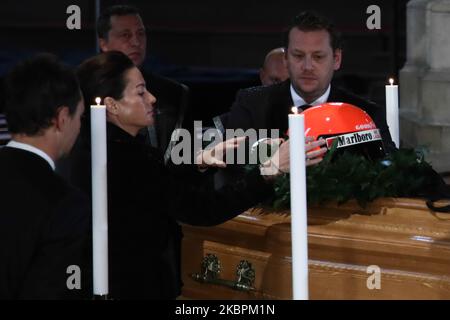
x: 211, y: 267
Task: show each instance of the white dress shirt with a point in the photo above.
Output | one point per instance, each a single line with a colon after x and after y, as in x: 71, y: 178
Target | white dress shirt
x: 30, y: 148
x: 298, y: 101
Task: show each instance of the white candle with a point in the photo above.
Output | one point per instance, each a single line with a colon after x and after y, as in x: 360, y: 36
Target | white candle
x: 299, y: 225
x: 392, y: 111
x: 99, y: 199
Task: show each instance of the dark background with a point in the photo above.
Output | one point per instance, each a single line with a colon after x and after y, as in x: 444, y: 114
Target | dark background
x: 215, y: 47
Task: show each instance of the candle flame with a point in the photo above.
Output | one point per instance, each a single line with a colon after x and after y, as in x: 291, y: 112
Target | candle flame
x: 391, y: 81
x: 98, y: 100
x: 294, y: 110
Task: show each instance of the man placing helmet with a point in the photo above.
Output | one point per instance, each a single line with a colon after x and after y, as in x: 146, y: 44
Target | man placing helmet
x: 313, y: 54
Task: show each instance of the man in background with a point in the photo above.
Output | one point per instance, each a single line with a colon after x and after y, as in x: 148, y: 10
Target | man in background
x: 274, y: 68
x: 121, y: 28
x: 272, y: 71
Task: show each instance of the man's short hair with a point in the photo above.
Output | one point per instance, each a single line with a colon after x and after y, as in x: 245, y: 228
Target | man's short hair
x: 312, y: 21
x: 104, y: 20
x: 35, y: 89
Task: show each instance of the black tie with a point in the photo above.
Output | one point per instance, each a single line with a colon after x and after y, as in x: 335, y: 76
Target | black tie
x: 304, y: 107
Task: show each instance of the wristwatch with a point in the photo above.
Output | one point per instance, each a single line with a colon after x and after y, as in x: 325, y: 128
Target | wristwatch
x: 269, y: 168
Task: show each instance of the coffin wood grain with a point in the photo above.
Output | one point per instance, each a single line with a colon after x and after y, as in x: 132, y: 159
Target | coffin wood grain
x: 409, y: 243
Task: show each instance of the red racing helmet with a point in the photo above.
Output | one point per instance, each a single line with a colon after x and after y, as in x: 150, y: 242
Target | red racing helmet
x: 352, y: 128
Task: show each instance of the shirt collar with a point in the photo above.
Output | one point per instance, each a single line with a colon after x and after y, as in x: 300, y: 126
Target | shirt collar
x: 30, y: 148
x: 298, y: 101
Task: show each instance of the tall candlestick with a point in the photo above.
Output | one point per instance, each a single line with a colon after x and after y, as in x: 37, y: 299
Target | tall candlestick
x: 99, y: 199
x: 392, y: 111
x: 299, y: 225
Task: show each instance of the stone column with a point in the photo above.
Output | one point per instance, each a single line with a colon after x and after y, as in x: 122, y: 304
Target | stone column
x: 425, y: 81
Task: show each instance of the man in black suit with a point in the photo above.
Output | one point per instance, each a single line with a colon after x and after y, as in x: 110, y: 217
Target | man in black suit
x: 44, y: 222
x: 120, y: 28
x: 313, y: 53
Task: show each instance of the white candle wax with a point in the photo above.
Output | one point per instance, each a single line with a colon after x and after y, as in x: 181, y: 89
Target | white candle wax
x: 299, y: 227
x: 99, y: 199
x: 392, y: 112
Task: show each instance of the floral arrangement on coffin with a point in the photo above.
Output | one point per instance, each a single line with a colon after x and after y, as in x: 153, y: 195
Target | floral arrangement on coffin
x: 403, y: 173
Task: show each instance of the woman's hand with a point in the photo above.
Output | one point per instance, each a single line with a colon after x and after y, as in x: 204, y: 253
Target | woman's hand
x: 279, y: 162
x: 213, y: 157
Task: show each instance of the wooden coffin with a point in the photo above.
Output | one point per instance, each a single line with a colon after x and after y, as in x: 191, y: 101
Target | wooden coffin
x: 348, y: 245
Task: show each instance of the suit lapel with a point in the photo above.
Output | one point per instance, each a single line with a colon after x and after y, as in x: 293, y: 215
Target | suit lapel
x: 338, y: 95
x: 334, y: 94
x: 281, y: 103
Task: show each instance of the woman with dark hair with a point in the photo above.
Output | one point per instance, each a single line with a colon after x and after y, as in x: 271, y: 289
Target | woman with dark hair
x: 144, y: 199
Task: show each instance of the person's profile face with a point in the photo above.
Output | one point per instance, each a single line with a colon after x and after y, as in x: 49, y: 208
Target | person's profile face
x: 127, y: 34
x: 136, y: 108
x: 311, y: 62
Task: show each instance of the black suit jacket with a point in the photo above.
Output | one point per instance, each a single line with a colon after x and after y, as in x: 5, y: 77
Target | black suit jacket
x: 267, y: 107
x: 44, y: 229
x: 171, y: 102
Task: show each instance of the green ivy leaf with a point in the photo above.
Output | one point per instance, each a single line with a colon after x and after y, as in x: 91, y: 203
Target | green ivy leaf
x: 403, y: 173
